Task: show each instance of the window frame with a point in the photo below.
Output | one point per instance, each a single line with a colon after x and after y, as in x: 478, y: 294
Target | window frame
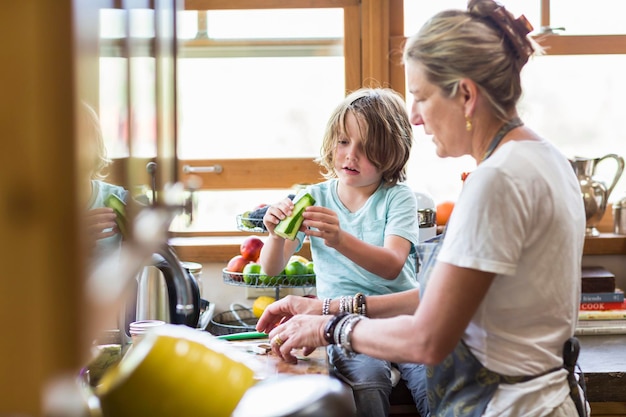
x: 373, y: 40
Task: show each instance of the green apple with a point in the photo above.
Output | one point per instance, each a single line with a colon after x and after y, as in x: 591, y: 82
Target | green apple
x: 295, y: 268
x: 294, y: 271
x: 310, y: 270
x: 251, y: 272
x: 267, y: 279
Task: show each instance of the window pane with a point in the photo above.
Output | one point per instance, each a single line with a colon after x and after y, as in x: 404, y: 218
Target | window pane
x: 573, y: 101
x: 218, y: 210
x: 275, y: 23
x: 584, y: 17
x: 113, y: 106
x: 256, y: 107
x: 417, y: 12
x: 577, y: 103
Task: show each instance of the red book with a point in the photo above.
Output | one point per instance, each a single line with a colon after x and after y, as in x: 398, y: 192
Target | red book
x: 599, y: 306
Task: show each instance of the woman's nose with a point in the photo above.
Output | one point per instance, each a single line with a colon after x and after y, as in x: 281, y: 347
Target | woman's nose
x: 416, y: 118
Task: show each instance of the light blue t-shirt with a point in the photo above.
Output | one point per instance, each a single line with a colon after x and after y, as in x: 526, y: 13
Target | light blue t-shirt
x: 101, y: 190
x: 389, y: 211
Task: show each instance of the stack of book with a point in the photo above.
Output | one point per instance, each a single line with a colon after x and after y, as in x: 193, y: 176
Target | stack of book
x: 602, y: 305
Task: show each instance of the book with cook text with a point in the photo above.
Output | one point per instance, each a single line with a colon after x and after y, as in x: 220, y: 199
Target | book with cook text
x: 600, y: 306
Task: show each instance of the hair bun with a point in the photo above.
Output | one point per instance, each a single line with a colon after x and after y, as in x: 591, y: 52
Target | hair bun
x: 515, y: 30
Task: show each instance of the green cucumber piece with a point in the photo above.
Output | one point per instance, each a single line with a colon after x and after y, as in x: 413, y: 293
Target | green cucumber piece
x: 119, y: 207
x: 289, y: 226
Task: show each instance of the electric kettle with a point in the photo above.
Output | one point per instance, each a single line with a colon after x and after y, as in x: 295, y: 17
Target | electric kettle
x: 162, y: 290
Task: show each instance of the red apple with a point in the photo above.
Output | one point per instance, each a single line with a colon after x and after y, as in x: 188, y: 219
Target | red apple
x: 237, y: 263
x: 251, y: 248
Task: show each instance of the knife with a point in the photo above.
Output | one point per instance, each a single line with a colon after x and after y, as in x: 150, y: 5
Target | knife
x: 243, y: 336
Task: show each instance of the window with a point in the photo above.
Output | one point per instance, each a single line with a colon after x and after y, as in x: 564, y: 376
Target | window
x: 571, y: 97
x: 256, y: 83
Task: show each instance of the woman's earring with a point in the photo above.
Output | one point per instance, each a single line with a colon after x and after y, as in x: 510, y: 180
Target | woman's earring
x: 468, y: 123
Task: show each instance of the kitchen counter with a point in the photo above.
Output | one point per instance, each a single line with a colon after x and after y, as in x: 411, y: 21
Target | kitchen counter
x: 315, y: 363
x: 603, y: 362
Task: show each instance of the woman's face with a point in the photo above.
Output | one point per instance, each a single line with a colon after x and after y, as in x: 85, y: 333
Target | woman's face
x: 441, y: 116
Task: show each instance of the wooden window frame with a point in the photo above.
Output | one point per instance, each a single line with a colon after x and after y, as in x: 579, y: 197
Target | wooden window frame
x: 373, y: 54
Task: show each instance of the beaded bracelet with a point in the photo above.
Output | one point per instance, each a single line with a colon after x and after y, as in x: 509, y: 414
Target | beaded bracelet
x: 329, y: 330
x: 326, y: 307
x: 359, y: 302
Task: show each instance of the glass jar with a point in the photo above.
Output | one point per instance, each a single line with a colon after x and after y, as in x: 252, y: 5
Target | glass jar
x: 194, y: 269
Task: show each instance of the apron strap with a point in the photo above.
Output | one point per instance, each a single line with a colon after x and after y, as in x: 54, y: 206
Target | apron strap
x: 571, y: 350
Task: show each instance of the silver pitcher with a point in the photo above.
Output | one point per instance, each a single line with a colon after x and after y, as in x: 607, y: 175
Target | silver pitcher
x: 595, y: 193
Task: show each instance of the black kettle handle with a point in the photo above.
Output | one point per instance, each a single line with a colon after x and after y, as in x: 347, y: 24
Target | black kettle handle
x: 191, y: 319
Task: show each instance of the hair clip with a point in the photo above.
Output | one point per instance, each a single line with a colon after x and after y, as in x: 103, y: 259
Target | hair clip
x: 516, y: 31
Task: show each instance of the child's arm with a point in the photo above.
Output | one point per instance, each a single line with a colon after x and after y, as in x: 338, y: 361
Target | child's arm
x: 386, y: 261
x: 276, y: 251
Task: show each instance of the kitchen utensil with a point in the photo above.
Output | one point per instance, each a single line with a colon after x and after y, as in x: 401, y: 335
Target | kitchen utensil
x: 297, y: 396
x: 165, y: 291
x: 243, y: 336
x: 426, y: 215
x: 236, y: 320
x: 594, y: 192
x: 177, y: 371
x: 619, y: 217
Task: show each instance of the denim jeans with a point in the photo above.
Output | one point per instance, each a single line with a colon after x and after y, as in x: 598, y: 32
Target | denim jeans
x: 370, y: 380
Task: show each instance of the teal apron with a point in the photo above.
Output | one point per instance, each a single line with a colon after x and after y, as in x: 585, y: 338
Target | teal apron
x: 460, y: 385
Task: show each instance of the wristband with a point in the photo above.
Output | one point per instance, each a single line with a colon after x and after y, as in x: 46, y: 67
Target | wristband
x: 329, y: 330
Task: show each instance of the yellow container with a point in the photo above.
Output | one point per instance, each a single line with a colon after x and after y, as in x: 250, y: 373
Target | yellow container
x: 176, y: 371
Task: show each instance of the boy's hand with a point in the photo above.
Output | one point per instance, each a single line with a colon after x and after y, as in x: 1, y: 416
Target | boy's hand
x: 275, y: 213
x: 99, y: 224
x: 323, y: 223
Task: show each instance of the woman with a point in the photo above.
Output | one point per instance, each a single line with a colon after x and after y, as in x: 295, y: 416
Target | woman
x: 504, y: 285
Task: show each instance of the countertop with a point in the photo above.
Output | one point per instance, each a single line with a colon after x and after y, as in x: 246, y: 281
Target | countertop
x: 603, y: 361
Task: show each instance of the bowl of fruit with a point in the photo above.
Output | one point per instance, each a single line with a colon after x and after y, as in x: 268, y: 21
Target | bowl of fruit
x: 244, y: 269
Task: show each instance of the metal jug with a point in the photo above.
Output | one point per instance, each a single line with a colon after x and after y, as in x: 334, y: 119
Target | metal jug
x: 595, y: 193
x: 163, y: 290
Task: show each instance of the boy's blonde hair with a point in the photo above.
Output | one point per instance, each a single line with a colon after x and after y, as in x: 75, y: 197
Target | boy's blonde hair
x: 90, y: 130
x: 385, y: 129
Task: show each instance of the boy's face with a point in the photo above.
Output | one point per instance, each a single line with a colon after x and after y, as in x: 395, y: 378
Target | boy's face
x: 351, y: 165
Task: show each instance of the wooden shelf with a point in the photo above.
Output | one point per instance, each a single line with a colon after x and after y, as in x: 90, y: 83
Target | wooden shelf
x: 220, y: 249
x: 605, y: 244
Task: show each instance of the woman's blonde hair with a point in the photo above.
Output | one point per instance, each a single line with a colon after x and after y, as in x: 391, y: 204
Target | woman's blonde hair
x: 485, y: 44
x: 385, y: 128
x: 90, y: 130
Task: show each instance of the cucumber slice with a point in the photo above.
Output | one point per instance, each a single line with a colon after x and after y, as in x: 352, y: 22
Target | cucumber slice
x: 289, y: 226
x: 119, y: 207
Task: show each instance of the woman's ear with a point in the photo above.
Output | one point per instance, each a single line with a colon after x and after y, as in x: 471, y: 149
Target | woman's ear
x: 468, y: 93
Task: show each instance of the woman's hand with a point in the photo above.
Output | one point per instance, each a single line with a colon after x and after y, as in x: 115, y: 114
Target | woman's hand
x: 323, y: 223
x: 276, y: 212
x: 301, y: 331
x: 285, y: 308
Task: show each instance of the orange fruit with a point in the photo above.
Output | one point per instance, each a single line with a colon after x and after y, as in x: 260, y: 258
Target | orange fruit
x: 443, y: 212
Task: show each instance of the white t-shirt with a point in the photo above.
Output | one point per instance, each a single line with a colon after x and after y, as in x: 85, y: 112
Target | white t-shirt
x: 521, y: 215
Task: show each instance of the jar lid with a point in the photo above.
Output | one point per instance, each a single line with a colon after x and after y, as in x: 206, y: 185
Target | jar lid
x: 193, y: 267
